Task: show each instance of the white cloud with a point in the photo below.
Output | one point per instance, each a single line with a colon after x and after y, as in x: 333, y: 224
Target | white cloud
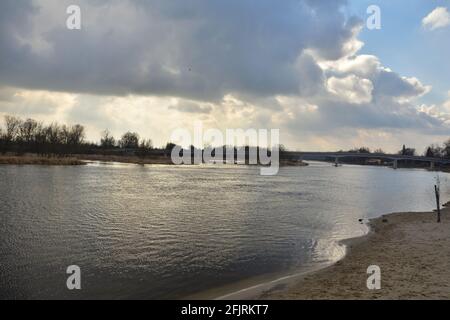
x: 361, y: 65
x: 352, y: 89
x: 35, y: 103
x: 440, y: 111
x: 438, y: 18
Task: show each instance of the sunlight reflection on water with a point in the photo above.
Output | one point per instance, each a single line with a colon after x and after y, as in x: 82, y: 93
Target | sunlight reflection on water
x: 167, y: 231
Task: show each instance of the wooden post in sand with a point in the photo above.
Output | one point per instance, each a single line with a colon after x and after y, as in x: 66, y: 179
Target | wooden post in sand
x: 436, y: 191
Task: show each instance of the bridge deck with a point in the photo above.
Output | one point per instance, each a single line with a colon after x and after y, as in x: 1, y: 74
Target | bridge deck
x: 392, y: 157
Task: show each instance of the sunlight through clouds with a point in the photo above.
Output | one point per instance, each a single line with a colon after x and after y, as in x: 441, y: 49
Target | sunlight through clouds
x: 151, y: 66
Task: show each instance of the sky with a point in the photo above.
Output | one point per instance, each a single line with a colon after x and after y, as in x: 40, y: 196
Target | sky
x: 310, y: 68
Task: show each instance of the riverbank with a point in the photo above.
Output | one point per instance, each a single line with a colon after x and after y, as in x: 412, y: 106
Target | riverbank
x: 411, y: 249
x: 80, y: 159
x: 37, y: 160
x: 126, y: 159
x: 163, y: 160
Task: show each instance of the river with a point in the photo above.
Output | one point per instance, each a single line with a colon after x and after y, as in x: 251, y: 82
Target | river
x: 156, y: 232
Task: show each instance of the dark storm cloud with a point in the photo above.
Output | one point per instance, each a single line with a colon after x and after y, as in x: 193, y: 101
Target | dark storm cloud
x: 191, y: 48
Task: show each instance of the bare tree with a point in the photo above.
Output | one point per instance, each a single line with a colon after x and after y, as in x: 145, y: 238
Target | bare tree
x: 446, y: 149
x: 379, y: 151
x: 146, y: 144
x: 129, y: 140
x: 73, y: 135
x: 433, y: 151
x: 27, y: 131
x: 360, y: 150
x: 40, y: 136
x: 2, y: 142
x: 407, y: 151
x: 76, y: 135
x: 31, y: 136
x: 53, y: 133
x: 64, y: 134
x: 12, y: 128
x: 107, y: 140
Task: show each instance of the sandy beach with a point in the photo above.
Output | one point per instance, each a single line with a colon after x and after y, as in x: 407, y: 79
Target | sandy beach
x: 412, y: 250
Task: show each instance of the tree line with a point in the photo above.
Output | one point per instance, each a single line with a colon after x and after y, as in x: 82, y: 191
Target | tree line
x: 438, y: 151
x: 30, y: 136
x: 432, y: 151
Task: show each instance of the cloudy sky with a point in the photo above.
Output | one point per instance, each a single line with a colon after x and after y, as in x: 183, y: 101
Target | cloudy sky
x: 310, y: 68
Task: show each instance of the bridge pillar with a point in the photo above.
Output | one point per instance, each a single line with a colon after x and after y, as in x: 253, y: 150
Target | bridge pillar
x: 432, y: 165
x: 395, y: 165
x: 336, y: 162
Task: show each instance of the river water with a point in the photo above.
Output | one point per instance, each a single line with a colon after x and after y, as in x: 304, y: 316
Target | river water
x: 155, y: 232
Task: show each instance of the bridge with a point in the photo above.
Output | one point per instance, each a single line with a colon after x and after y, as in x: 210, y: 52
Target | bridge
x: 395, y: 158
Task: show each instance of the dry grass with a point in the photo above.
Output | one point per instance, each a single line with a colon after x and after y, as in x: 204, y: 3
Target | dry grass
x: 37, y: 160
x: 126, y: 159
x: 292, y: 163
x: 78, y: 160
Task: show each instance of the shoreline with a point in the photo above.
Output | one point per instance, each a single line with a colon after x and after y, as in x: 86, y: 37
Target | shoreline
x: 82, y: 159
x: 403, y: 244
x: 38, y: 160
x: 259, y: 288
x: 125, y: 159
x: 411, y: 249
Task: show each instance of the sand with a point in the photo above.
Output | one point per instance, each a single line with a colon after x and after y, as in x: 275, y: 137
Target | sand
x: 411, y: 249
